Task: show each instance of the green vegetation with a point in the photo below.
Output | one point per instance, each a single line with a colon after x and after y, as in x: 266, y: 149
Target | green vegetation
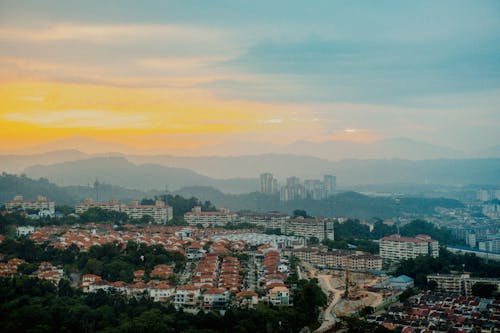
x: 301, y: 213
x: 485, y: 290
x: 353, y: 233
x: 31, y: 305
x: 421, y: 266
x: 356, y: 325
x: 353, y: 229
x: 110, y: 260
x: 351, y: 204
x: 95, y: 214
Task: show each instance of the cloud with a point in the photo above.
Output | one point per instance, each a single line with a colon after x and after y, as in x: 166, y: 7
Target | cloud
x: 106, y: 33
x: 81, y: 119
x: 273, y: 121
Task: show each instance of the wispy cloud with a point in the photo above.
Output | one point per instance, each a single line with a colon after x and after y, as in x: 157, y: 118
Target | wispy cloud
x: 106, y: 33
x: 81, y: 119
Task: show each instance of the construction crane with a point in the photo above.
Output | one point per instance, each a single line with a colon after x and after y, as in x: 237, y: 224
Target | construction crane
x: 347, y: 277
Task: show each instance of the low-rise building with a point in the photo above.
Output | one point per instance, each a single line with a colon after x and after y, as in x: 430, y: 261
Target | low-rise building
x: 338, y: 259
x: 401, y: 282
x: 210, y: 219
x: 160, y: 212
x: 187, y: 296
x: 41, y: 204
x: 279, y: 295
x: 215, y: 299
x: 459, y: 283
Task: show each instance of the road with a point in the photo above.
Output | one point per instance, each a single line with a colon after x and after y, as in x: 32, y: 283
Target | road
x: 326, y: 283
x: 329, y: 318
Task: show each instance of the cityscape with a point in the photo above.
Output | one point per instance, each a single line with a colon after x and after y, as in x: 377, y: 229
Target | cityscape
x: 249, y: 166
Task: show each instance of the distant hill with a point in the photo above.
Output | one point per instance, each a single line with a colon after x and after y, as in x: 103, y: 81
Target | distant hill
x: 11, y: 185
x: 443, y: 171
x: 240, y: 172
x: 249, y: 166
x: 17, y: 163
x: 119, y: 171
x: 346, y: 204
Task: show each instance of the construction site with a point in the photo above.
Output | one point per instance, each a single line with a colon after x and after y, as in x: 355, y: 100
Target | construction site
x: 348, y: 292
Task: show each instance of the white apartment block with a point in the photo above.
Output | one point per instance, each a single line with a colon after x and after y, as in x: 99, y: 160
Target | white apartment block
x: 396, y: 248
x: 459, y: 283
x: 490, y: 245
x: 213, y: 219
x: 160, y: 212
x: 320, y: 228
x: 339, y: 259
x: 267, y: 221
x: 40, y: 204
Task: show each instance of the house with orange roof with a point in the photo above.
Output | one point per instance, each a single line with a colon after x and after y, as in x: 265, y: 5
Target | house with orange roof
x: 279, y: 295
x: 138, y: 275
x: 161, y: 292
x: 187, y: 296
x: 247, y: 298
x: 88, y: 280
x: 215, y: 299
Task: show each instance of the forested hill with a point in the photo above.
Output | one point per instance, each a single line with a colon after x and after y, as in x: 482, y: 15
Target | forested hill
x: 348, y: 204
x: 11, y: 185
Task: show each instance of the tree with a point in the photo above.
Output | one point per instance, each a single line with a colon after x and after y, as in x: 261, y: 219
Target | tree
x: 300, y: 213
x: 313, y: 241
x: 485, y: 290
x: 147, y: 202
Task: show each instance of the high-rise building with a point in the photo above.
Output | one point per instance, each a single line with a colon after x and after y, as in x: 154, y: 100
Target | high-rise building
x: 330, y: 182
x: 268, y: 184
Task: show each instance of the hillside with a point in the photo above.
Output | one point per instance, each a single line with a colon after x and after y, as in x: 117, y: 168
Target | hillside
x: 11, y: 185
x: 346, y: 204
x: 119, y: 171
x: 238, y: 174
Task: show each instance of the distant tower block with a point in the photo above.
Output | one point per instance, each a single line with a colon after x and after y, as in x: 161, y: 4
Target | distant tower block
x: 268, y: 184
x: 330, y: 182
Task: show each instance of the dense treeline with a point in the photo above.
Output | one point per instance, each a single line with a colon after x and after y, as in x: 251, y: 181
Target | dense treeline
x: 350, y: 204
x: 180, y: 206
x: 353, y: 229
x: 353, y: 233
x: 421, y: 266
x: 31, y: 305
x: 11, y: 185
x: 111, y: 261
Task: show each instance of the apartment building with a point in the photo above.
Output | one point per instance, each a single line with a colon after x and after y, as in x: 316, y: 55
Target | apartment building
x: 41, y: 204
x: 268, y: 184
x: 320, y: 228
x: 160, y: 212
x: 267, y: 220
x: 338, y: 259
x: 459, y: 283
x: 396, y: 248
x: 207, y: 219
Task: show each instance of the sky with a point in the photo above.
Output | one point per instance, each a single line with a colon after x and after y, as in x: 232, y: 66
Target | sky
x: 235, y: 77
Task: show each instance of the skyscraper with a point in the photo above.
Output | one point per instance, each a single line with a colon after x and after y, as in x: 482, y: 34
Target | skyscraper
x: 330, y: 184
x: 268, y: 184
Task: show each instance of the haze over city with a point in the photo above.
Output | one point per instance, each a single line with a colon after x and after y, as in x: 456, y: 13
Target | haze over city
x: 250, y: 166
x: 329, y: 79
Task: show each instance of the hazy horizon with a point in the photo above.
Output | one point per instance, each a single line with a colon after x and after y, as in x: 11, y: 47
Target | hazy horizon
x: 331, y: 79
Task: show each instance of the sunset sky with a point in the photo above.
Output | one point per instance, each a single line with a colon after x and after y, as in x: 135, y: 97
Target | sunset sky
x: 232, y: 77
